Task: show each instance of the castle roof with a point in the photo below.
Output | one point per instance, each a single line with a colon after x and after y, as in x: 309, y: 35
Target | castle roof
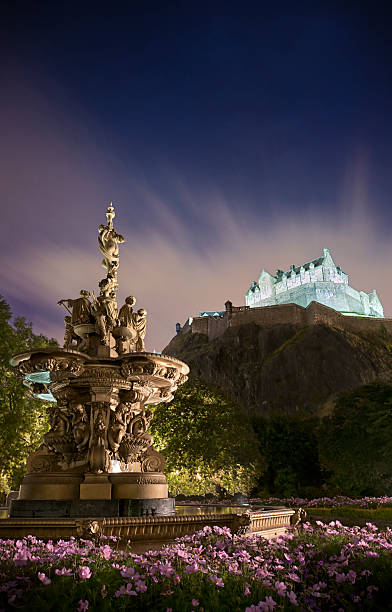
x: 306, y: 266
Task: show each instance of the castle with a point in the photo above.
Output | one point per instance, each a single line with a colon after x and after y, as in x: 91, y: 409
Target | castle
x: 317, y: 281
x: 314, y: 293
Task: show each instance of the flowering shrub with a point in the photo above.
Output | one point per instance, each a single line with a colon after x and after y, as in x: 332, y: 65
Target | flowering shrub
x: 297, y: 502
x: 328, y: 502
x: 326, y: 567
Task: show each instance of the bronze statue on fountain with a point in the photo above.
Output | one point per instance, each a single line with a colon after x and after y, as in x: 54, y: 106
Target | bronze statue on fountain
x: 98, y: 450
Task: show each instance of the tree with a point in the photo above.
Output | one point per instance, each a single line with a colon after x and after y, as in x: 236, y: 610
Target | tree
x: 23, y: 420
x: 207, y: 441
x: 289, y: 444
x: 355, y: 441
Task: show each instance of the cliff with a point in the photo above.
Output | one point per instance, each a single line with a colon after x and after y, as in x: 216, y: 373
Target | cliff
x: 286, y: 367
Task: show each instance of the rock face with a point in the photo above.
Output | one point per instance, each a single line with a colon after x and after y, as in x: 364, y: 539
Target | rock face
x: 287, y: 367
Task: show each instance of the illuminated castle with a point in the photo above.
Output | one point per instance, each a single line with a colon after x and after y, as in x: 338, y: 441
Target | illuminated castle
x: 317, y: 281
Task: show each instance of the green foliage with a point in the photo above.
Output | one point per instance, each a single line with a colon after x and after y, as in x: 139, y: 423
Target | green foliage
x: 289, y: 446
x: 352, y: 512
x: 207, y: 441
x: 355, y: 441
x: 22, y: 420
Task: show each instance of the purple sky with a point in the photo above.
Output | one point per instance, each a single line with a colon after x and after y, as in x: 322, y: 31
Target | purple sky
x: 230, y: 137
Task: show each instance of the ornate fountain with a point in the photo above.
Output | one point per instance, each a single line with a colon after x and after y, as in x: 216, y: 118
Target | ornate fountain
x: 98, y: 457
x: 97, y: 471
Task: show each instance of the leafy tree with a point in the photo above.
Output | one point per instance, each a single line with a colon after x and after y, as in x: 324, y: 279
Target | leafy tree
x: 355, y: 441
x: 23, y: 420
x: 289, y: 444
x: 208, y: 442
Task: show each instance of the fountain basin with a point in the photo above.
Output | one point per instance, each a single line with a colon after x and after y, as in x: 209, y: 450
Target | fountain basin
x: 149, y: 533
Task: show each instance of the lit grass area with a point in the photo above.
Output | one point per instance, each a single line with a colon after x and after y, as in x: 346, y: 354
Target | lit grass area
x: 370, y: 514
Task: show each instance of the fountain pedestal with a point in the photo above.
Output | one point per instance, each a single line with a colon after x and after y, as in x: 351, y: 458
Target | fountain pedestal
x: 96, y: 486
x: 98, y: 452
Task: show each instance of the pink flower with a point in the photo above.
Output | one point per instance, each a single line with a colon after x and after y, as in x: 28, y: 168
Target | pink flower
x: 83, y: 605
x: 21, y: 557
x: 195, y: 603
x: 84, y: 572
x: 63, y: 572
x: 106, y: 552
x: 292, y: 598
x: 269, y: 603
x: 125, y: 590
x: 43, y: 578
x: 280, y: 588
x: 217, y: 581
x: 141, y: 586
x: 262, y: 606
x: 351, y: 576
x: 247, y: 589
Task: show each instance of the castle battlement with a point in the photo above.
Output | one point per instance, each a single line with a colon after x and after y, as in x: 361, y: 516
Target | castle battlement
x: 283, y: 314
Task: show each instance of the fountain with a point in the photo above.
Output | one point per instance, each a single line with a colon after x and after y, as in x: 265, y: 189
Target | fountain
x: 97, y: 471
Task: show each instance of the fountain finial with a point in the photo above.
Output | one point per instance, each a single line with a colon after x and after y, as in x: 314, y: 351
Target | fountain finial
x: 110, y: 214
x: 99, y: 321
x: 108, y: 241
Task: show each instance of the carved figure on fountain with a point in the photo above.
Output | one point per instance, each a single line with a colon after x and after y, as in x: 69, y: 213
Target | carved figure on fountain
x: 69, y: 333
x: 99, y: 454
x: 80, y: 426
x: 81, y: 308
x: 81, y: 318
x: 131, y: 331
x: 59, y: 438
x: 136, y: 440
x: 108, y: 240
x: 104, y: 310
x: 126, y: 312
x: 119, y: 419
x: 140, y: 320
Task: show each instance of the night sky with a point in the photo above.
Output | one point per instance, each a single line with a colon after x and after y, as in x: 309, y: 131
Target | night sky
x: 230, y: 136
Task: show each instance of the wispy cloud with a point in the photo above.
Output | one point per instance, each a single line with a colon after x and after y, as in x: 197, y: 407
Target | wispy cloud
x: 179, y: 258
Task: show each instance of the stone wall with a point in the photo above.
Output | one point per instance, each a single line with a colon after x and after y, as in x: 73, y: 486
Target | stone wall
x: 268, y: 316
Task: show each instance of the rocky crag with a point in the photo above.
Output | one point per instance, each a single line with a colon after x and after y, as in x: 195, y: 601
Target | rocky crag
x: 287, y: 367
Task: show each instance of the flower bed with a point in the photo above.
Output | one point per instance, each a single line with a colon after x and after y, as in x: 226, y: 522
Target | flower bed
x: 326, y: 502
x: 326, y: 567
x: 298, y: 502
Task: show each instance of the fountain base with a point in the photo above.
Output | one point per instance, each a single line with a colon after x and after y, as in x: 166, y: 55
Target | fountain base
x: 44, y: 508
x: 115, y: 494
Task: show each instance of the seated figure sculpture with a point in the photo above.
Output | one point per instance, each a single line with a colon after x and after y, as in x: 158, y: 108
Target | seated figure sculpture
x: 131, y: 331
x: 81, y: 315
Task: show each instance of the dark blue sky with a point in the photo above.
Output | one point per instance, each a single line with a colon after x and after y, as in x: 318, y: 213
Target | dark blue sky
x: 278, y: 110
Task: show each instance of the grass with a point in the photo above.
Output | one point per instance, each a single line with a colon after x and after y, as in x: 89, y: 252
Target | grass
x: 370, y: 514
